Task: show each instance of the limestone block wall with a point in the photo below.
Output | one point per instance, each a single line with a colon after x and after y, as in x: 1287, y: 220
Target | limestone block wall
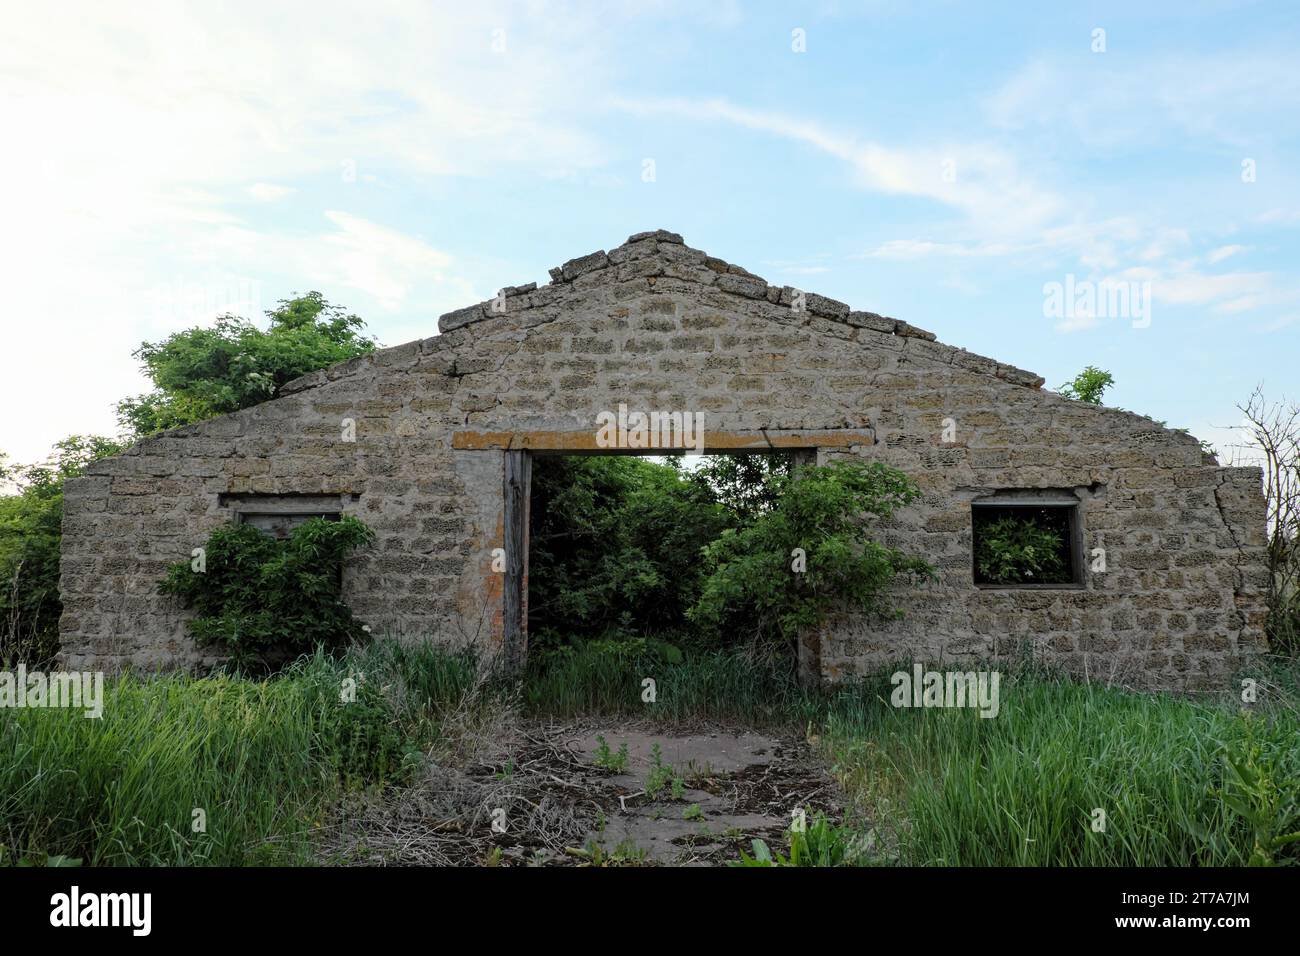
x: 657, y: 325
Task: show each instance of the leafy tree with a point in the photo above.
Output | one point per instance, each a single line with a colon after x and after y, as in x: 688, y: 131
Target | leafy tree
x: 1088, y: 386
x: 31, y: 522
x: 203, y: 372
x: 743, y: 484
x: 256, y: 596
x: 757, y: 575
x: 615, y: 545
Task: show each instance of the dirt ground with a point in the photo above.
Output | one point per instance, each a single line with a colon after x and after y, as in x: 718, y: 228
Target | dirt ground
x: 548, y: 794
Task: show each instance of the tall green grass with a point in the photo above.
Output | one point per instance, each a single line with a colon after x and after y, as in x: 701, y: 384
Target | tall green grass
x: 261, y: 759
x: 607, y: 679
x: 1024, y: 788
x: 265, y: 759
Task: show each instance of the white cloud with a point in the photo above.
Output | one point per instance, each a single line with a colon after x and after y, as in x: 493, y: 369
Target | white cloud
x: 270, y: 192
x: 1216, y: 256
x: 1199, y: 288
x: 911, y: 249
x: 982, y: 181
x: 1112, y: 102
x: 399, y: 272
x: 1278, y: 216
x: 1077, y: 323
x: 133, y: 135
x: 1006, y: 215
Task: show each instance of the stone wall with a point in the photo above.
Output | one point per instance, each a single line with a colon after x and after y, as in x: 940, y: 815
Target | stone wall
x: 656, y: 325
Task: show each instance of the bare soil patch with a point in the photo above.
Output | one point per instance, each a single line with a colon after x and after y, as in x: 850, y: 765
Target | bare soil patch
x: 546, y: 794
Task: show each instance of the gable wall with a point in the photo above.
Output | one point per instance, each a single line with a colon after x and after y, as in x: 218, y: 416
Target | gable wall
x: 658, y: 326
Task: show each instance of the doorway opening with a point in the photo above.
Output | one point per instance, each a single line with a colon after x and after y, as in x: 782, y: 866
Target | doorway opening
x: 618, y: 550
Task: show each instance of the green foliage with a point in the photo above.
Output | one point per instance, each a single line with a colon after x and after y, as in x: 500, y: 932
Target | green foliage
x: 1263, y: 792
x: 948, y: 787
x: 604, y: 677
x: 593, y: 853
x: 1020, y: 549
x: 745, y: 485
x: 663, y: 775
x: 265, y: 759
x: 258, y: 597
x: 826, y: 511
x: 820, y: 843
x: 30, y: 535
x: 1088, y: 386
x: 614, y: 547
x: 607, y: 759
x: 197, y: 374
x: 203, y: 372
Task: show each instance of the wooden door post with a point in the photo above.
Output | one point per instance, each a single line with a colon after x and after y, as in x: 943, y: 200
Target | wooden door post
x: 518, y: 481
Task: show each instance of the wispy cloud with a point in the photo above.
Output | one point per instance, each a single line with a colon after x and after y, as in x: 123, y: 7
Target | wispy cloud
x: 269, y: 192
x: 1215, y: 256
x: 980, y: 180
x: 1111, y: 102
x: 911, y: 249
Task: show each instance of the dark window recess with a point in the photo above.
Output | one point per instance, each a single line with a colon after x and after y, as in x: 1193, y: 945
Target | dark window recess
x: 278, y: 525
x: 1027, y: 544
x: 278, y: 515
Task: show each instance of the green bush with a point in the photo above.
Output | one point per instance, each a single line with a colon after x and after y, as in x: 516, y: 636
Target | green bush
x: 1261, y: 788
x: 810, y: 553
x: 257, y: 597
x: 1088, y: 386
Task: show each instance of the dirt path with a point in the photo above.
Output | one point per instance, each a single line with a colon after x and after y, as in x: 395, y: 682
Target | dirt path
x: 555, y: 794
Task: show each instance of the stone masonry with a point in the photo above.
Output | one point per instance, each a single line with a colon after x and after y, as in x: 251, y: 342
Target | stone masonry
x: 657, y: 325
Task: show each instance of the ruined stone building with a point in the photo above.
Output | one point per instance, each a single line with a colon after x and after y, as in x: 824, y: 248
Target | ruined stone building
x: 430, y: 444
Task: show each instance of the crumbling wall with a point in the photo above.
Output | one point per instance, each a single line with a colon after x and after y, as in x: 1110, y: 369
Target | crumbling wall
x: 656, y: 325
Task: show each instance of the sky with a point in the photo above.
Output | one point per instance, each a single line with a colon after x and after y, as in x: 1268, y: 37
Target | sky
x: 1051, y: 185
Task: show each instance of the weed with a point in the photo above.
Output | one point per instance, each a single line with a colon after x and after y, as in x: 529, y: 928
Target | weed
x: 593, y: 853
x: 662, y: 775
x: 819, y: 843
x: 1261, y: 791
x: 608, y: 760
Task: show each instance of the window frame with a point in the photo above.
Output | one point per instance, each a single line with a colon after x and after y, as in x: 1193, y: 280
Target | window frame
x: 286, y: 506
x: 1016, y: 499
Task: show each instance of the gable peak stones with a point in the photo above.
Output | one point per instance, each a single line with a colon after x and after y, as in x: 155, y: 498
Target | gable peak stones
x: 660, y: 253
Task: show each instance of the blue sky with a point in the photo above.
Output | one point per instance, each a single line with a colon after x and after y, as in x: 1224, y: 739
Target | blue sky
x: 941, y: 163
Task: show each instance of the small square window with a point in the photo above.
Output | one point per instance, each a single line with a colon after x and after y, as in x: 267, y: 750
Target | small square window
x: 1027, y: 543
